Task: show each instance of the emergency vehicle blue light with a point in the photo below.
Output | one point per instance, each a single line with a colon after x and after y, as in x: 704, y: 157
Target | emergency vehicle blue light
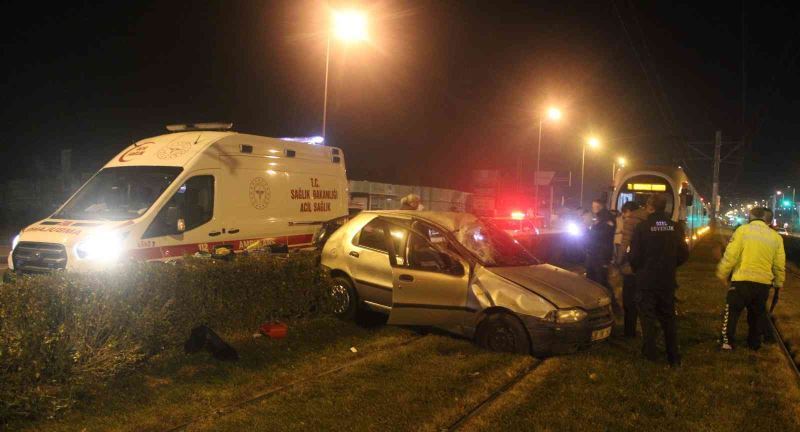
x: 308, y: 140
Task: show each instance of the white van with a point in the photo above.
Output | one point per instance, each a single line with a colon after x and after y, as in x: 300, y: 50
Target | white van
x: 199, y: 188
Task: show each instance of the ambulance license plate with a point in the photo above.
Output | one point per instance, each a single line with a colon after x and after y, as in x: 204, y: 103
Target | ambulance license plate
x: 601, y: 334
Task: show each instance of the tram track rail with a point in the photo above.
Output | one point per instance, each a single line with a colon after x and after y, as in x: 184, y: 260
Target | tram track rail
x: 274, y: 390
x: 780, y: 340
x: 484, y: 403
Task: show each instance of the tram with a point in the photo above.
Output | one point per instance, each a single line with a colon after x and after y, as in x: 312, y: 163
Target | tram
x: 684, y: 203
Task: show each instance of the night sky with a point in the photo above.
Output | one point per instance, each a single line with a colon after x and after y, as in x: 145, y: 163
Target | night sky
x: 442, y: 88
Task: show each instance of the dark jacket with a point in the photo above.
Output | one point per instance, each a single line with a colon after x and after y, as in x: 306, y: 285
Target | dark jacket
x: 629, y: 224
x: 600, y: 240
x: 658, y: 247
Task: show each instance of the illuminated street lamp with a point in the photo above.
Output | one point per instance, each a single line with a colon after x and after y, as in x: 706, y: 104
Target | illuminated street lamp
x: 617, y: 164
x: 593, y: 143
x: 553, y: 114
x: 349, y: 27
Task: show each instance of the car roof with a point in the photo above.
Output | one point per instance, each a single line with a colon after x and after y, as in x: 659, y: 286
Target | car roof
x: 451, y: 221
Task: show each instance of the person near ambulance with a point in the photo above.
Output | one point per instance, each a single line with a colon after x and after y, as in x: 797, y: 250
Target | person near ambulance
x: 632, y: 216
x: 600, y: 247
x: 754, y: 260
x: 411, y: 202
x: 657, y: 249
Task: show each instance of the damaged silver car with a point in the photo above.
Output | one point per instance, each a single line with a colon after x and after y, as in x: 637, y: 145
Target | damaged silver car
x: 462, y: 274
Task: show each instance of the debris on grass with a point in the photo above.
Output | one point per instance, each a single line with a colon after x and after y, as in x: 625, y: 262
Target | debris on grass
x: 353, y: 349
x: 203, y: 338
x: 274, y: 330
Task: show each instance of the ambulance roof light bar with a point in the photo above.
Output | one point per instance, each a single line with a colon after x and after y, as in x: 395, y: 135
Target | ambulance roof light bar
x: 317, y: 140
x: 216, y: 126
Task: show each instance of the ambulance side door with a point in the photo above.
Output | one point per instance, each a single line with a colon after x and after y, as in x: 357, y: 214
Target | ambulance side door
x: 188, y: 220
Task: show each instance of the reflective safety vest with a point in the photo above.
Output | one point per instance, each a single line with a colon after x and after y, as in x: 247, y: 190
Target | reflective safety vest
x: 755, y: 254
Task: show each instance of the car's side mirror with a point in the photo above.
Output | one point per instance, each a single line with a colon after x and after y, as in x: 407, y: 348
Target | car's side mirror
x: 173, y: 220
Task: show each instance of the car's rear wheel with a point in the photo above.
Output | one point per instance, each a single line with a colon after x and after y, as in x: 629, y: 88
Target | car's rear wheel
x: 503, y: 332
x: 344, y: 297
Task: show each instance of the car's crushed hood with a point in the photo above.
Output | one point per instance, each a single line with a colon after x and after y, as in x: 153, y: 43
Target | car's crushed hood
x: 561, y: 287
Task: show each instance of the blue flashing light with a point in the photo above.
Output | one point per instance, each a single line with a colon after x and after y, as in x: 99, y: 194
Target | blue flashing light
x: 316, y: 140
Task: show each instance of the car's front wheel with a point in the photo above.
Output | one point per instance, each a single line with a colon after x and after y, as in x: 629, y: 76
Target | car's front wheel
x: 344, y: 298
x: 503, y: 332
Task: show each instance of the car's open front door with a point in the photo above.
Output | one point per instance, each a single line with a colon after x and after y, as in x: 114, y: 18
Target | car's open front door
x: 429, y: 283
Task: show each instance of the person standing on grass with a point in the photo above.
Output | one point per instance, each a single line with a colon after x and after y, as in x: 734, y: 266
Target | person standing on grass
x: 632, y: 215
x: 657, y: 249
x: 600, y: 246
x: 757, y: 260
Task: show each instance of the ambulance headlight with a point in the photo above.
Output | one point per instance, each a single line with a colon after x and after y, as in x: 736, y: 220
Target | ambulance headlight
x: 15, y: 242
x: 566, y: 316
x: 100, y: 247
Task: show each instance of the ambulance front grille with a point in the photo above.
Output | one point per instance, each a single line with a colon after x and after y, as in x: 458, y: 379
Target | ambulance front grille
x: 35, y: 257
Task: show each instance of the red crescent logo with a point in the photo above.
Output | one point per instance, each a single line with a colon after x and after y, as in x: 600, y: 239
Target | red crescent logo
x: 136, y: 150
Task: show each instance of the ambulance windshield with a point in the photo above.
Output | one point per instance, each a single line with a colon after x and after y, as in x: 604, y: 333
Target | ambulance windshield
x: 119, y: 193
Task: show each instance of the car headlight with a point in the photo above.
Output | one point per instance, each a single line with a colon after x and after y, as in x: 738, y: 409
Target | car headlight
x: 100, y: 247
x: 15, y: 242
x: 566, y: 316
x: 573, y: 229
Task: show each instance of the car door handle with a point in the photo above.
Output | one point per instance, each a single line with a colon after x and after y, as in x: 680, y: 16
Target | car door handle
x: 214, y: 233
x: 406, y: 278
x: 233, y: 231
x: 354, y: 254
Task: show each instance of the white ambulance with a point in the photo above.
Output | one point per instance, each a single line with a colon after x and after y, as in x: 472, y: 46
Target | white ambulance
x: 197, y: 189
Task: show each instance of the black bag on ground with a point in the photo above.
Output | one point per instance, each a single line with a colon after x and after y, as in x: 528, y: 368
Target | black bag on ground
x: 203, y: 338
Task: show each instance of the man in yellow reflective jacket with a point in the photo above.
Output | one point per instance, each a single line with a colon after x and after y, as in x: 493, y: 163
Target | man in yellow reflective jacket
x: 757, y: 260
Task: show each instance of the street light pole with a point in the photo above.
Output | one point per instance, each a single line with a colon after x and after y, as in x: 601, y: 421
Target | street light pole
x: 325, y: 99
x: 553, y: 114
x: 593, y: 142
x: 347, y: 26
x: 536, y: 173
x: 583, y: 163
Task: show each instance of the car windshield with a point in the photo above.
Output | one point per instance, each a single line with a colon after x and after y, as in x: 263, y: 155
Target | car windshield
x: 119, y: 193
x: 493, y: 246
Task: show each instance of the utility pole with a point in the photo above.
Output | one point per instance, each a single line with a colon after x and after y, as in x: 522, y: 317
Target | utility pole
x: 715, y: 184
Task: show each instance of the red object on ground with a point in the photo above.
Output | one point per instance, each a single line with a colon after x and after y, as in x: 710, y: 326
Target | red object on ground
x: 275, y: 330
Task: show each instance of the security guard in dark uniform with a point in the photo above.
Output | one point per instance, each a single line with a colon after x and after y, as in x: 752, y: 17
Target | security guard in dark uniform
x: 657, y: 249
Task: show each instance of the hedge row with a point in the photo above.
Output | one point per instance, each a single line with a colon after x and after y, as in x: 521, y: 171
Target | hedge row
x: 62, y: 334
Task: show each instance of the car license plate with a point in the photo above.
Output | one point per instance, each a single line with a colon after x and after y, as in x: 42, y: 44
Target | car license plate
x: 601, y: 334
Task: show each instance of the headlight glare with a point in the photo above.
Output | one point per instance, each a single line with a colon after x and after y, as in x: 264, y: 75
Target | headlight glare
x: 100, y: 247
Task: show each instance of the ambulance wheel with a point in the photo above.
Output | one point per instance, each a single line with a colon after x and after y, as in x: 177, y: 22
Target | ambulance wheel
x: 503, y: 332
x: 344, y: 297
